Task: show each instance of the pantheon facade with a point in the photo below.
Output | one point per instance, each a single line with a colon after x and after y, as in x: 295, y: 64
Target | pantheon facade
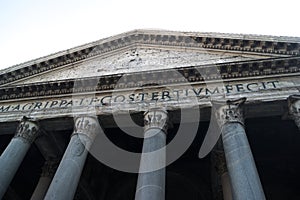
x: 154, y: 115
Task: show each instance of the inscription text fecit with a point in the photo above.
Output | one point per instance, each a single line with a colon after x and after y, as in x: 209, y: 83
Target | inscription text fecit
x: 137, y: 97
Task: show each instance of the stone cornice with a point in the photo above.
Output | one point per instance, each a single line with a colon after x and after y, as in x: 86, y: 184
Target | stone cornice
x: 244, y: 43
x: 234, y: 70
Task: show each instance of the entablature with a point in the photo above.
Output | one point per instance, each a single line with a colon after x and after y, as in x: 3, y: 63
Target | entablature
x: 258, y: 69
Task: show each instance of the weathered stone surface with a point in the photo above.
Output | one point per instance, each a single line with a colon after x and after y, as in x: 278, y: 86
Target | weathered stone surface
x: 294, y: 108
x: 266, y: 46
x: 240, y: 163
x: 15, y: 152
x: 171, y: 97
x: 139, y: 59
x: 164, y: 69
x: 151, y: 182
x: 66, y: 178
x: 239, y: 159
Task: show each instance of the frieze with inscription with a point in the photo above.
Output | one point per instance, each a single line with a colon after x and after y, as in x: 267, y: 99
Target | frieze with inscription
x: 153, y: 95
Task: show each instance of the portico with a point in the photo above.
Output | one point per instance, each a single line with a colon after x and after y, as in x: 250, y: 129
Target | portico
x: 52, y: 109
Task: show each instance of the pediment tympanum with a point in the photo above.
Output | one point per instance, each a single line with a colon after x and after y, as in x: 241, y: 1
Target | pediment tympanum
x: 137, y: 60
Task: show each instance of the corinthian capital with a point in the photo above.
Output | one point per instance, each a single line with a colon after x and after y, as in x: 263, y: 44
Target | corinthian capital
x: 294, y: 108
x: 27, y: 129
x: 229, y: 111
x: 86, y: 125
x: 156, y: 118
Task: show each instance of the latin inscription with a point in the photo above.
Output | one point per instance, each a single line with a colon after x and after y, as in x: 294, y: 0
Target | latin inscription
x: 139, y: 97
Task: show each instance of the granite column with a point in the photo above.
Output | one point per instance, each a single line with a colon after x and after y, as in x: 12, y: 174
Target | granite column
x: 48, y: 172
x: 240, y: 162
x: 219, y: 161
x: 15, y: 152
x: 151, y: 180
x: 66, y: 178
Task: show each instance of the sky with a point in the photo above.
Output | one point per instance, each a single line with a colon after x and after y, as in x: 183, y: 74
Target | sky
x: 34, y: 28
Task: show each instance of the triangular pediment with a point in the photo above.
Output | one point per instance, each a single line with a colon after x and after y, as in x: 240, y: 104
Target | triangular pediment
x: 136, y: 60
x: 146, y: 50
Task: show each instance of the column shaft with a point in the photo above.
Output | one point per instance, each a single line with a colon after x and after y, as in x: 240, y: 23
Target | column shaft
x: 45, y: 180
x: 10, y: 161
x: 41, y: 188
x: 219, y: 163
x: 66, y: 178
x: 243, y: 174
x: 240, y: 163
x: 15, y: 152
x: 226, y: 186
x: 151, y: 184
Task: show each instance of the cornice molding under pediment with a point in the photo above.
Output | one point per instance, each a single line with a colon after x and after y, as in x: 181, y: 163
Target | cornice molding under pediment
x: 266, y: 68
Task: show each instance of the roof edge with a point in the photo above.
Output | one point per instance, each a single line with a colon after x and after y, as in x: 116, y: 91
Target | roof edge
x: 210, y: 40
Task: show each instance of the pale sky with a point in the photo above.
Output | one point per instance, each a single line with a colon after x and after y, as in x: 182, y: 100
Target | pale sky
x: 35, y: 28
